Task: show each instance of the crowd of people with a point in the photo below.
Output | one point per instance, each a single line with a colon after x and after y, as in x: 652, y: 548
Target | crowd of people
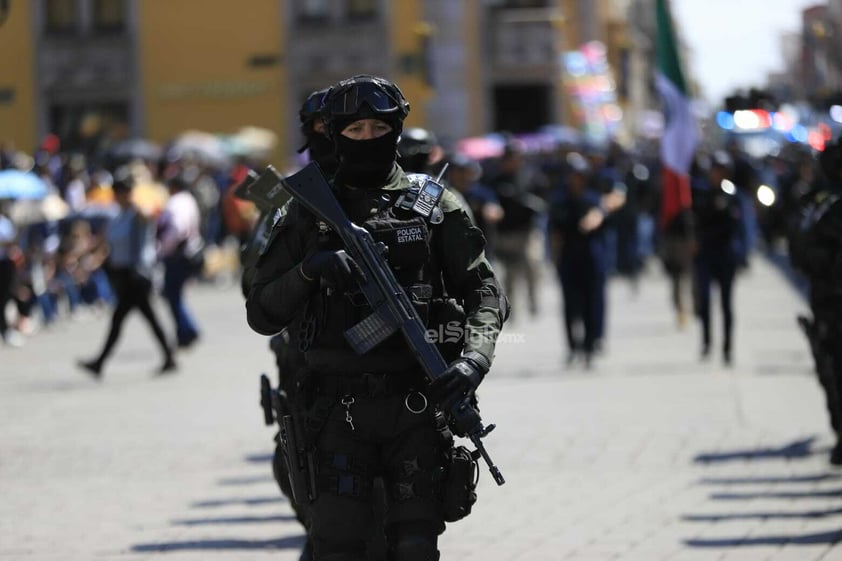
x: 102, y: 230
x: 589, y: 212
x: 595, y: 213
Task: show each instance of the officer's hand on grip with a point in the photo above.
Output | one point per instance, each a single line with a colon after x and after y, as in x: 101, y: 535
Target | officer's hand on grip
x: 336, y: 269
x: 457, y: 381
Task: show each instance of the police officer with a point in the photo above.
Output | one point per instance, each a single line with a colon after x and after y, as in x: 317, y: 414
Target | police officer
x: 577, y: 244
x: 721, y: 248
x: 418, y: 150
x: 284, y: 344
x: 373, y: 415
x: 320, y: 150
x: 820, y: 257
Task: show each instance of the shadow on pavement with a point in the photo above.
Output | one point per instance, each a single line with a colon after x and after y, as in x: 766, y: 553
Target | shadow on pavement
x: 290, y: 542
x: 761, y: 515
x: 788, y: 495
x: 234, y: 520
x: 236, y: 481
x: 259, y: 458
x: 798, y: 449
x: 248, y: 501
x: 817, y: 478
x: 831, y: 537
x: 800, y: 486
x: 224, y: 544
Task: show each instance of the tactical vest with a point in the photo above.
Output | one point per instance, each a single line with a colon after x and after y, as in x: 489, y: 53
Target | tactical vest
x: 406, y: 237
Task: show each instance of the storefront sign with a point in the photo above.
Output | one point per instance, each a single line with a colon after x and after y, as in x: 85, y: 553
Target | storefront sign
x: 212, y: 90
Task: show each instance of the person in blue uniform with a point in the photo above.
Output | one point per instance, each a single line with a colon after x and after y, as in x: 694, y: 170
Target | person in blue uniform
x: 577, y: 246
x: 720, y: 249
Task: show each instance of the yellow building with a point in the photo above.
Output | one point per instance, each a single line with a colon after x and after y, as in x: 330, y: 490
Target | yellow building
x: 88, y: 69
x: 212, y: 65
x: 17, y: 105
x: 409, y: 34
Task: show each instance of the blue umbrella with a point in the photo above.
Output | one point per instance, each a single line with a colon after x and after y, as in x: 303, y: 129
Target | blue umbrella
x: 16, y: 184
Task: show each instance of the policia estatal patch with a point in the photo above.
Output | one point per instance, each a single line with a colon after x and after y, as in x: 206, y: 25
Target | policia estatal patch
x: 409, y: 235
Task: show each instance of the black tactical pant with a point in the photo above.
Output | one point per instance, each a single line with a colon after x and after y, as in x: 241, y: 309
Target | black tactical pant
x: 290, y: 362
x: 366, y: 437
x: 722, y: 272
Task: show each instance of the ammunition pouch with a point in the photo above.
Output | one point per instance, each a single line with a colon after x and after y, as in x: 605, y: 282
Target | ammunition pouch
x: 460, y: 484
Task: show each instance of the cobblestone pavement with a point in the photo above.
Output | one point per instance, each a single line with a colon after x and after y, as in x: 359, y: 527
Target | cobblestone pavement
x: 652, y: 455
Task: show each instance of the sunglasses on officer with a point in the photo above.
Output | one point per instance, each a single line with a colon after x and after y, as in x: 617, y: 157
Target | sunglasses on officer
x: 348, y: 100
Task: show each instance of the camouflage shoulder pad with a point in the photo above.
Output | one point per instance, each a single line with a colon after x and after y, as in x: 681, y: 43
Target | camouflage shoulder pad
x: 450, y: 202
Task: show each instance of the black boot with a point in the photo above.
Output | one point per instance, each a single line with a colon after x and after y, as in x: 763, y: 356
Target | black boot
x: 168, y: 367
x: 92, y: 367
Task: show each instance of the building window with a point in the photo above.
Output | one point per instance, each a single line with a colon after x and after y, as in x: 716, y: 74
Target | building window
x: 314, y: 10
x: 61, y: 16
x: 82, y: 126
x: 109, y: 16
x: 361, y: 9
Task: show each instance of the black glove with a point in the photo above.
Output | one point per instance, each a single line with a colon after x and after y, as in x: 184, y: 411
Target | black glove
x: 461, y: 378
x: 336, y: 269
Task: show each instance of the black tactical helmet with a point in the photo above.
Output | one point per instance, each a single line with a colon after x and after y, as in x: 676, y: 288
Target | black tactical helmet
x: 415, y: 141
x: 312, y: 107
x: 364, y: 97
x: 415, y: 149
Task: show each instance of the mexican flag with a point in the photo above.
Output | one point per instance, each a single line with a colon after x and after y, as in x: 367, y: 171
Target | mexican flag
x: 680, y: 131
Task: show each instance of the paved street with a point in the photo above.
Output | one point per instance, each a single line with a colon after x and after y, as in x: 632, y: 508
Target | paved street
x: 650, y: 456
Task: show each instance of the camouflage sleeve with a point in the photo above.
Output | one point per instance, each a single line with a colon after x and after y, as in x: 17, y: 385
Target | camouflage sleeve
x: 278, y: 290
x: 468, y: 276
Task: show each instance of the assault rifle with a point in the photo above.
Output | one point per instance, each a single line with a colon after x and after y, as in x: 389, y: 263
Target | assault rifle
x: 393, y: 310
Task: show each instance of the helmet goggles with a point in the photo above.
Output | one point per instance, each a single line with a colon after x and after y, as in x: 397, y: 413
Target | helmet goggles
x: 347, y: 100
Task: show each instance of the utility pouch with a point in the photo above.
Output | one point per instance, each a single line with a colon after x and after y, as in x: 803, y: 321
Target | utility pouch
x: 459, y: 492
x: 298, y: 462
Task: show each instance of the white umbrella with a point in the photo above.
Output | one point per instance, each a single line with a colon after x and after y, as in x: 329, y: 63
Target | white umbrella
x: 49, y: 209
x: 205, y: 146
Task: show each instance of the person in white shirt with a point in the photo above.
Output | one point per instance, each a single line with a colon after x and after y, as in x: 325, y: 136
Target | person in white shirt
x: 179, y: 248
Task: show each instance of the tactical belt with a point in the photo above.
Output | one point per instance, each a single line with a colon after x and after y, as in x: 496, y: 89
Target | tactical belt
x: 370, y: 385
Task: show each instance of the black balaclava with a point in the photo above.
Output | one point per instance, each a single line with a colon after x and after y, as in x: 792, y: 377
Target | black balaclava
x: 323, y: 152
x: 366, y: 164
